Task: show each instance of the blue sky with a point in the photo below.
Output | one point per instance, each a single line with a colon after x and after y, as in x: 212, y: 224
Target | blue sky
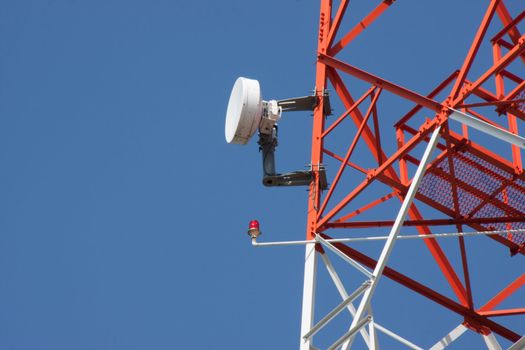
x: 123, y: 211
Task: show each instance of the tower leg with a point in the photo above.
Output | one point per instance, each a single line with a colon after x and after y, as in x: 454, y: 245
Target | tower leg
x: 310, y: 270
x: 310, y: 261
x: 491, y: 342
x: 450, y: 337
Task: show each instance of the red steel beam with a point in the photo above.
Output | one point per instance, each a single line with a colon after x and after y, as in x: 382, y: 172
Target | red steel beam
x: 432, y: 104
x: 367, y: 207
x: 348, y: 154
x: 509, y: 46
x: 466, y: 272
x: 374, y: 174
x: 479, y: 91
x: 380, y: 82
x: 377, y: 133
x: 506, y: 312
x: 474, y: 48
x: 388, y: 173
x: 427, y: 292
x: 350, y: 164
x: 501, y: 104
x: 514, y: 248
x: 504, y: 294
x: 496, y: 67
x: 431, y: 95
x: 403, y: 166
x: 314, y: 197
x: 348, y: 111
x: 511, y: 76
x: 337, y: 21
x: 510, y: 24
x: 348, y: 101
x: 471, y: 147
x: 459, y: 227
x: 490, y: 97
x: 358, y: 29
x: 424, y: 222
x: 514, y: 92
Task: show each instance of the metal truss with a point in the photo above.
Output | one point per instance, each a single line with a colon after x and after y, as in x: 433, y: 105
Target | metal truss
x: 457, y: 176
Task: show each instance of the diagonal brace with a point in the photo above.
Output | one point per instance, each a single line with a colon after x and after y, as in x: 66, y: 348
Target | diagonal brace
x: 337, y: 310
x: 389, y: 245
x: 343, y: 256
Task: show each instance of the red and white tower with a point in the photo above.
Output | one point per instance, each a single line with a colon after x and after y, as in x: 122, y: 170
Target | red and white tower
x: 446, y: 171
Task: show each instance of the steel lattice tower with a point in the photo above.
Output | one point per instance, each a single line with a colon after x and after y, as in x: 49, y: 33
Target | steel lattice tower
x: 440, y: 162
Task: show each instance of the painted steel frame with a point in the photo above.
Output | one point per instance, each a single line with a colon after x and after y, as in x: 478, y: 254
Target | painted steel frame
x: 323, y: 210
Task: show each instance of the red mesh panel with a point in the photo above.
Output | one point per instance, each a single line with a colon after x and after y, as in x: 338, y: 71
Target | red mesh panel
x: 484, y: 191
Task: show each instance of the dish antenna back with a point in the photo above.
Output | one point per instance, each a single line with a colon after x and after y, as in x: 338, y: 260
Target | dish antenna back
x: 247, y: 112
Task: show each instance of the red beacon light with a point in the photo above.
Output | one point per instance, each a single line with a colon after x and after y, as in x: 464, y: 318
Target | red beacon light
x: 253, y: 229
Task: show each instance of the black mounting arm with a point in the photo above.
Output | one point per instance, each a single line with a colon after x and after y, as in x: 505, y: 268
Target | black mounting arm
x: 267, y: 144
x: 305, y: 103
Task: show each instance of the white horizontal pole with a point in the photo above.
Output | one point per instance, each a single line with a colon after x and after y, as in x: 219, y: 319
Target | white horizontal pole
x: 383, y: 238
x: 337, y: 310
x: 351, y: 332
x: 487, y: 128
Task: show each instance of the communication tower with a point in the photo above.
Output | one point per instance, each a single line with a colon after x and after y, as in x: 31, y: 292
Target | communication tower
x: 448, y: 178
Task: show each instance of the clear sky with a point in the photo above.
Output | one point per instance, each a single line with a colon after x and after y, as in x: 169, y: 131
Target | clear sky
x: 123, y: 211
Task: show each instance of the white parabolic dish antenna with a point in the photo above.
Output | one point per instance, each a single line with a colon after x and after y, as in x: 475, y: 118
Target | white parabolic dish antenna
x: 247, y: 113
x: 244, y: 111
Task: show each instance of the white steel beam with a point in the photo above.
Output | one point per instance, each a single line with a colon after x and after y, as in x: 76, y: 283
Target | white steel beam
x: 337, y: 310
x: 450, y: 337
x: 400, y: 339
x: 396, y: 228
x: 342, y: 291
x: 384, y: 238
x: 374, y: 342
x: 491, y: 342
x: 487, y: 128
x: 519, y: 345
x: 343, y: 256
x: 310, y: 270
x: 350, y: 333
